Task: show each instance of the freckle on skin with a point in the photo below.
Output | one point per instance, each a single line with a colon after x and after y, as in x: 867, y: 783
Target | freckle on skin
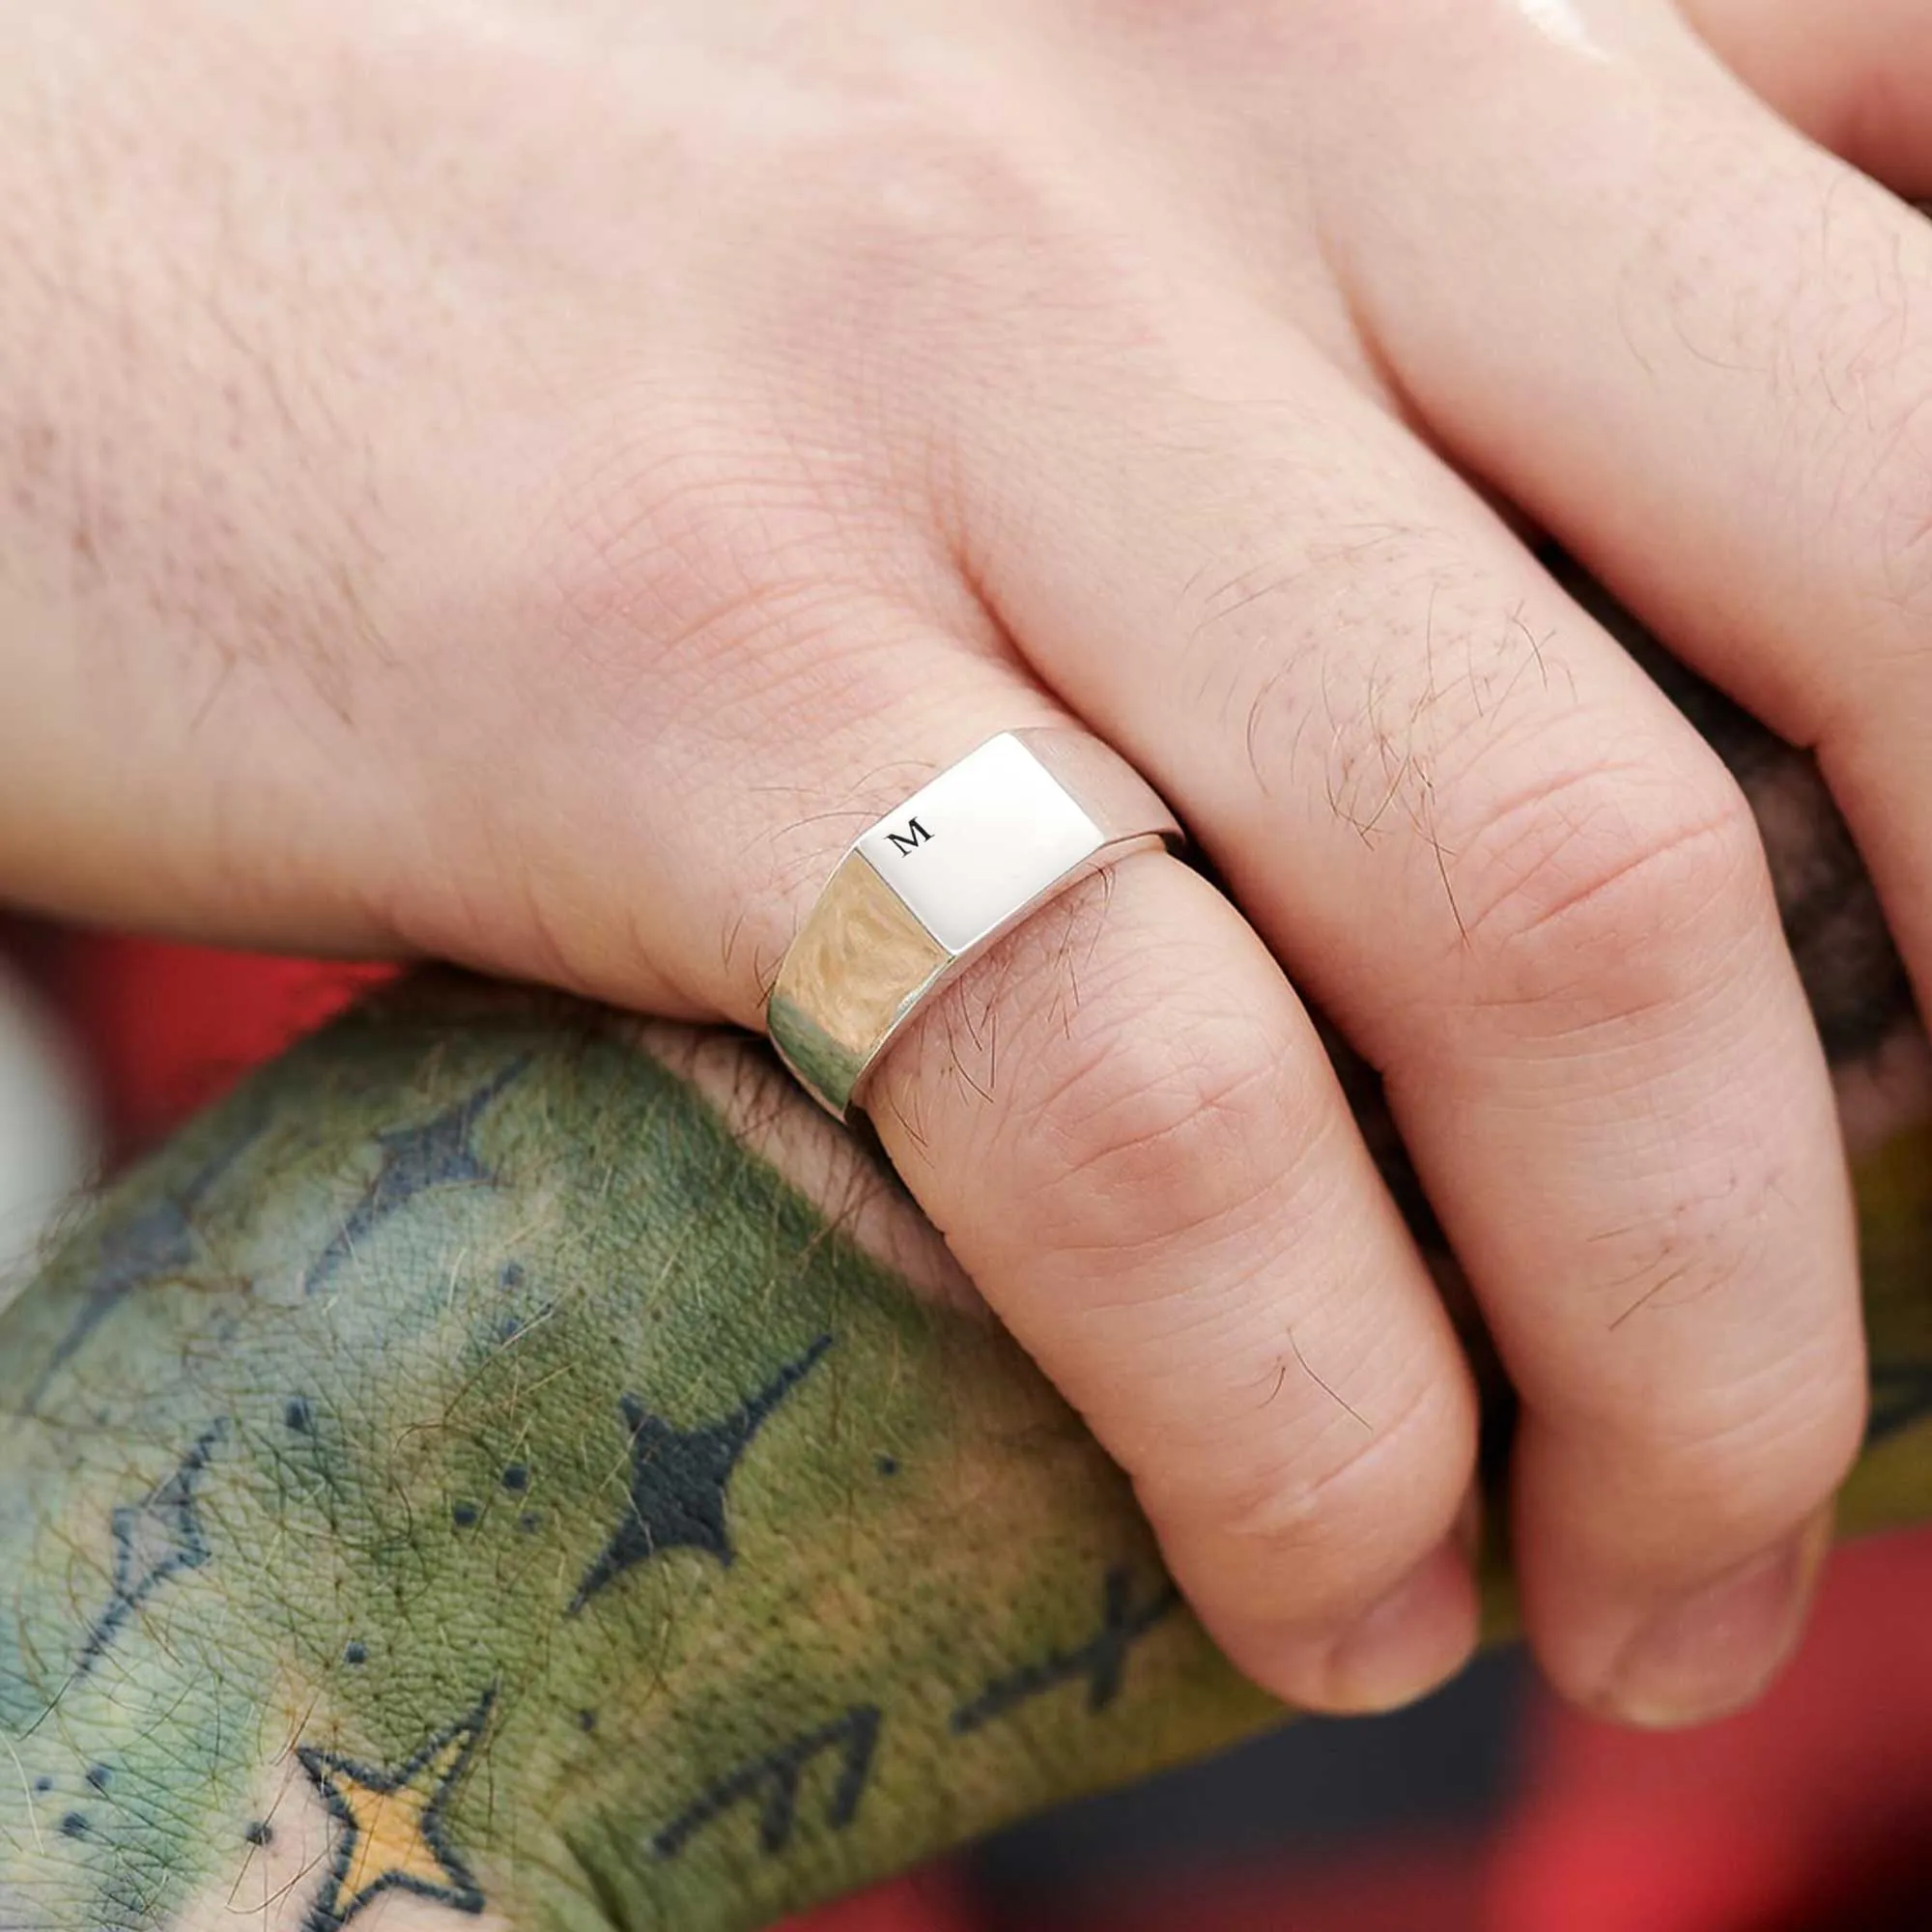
x: 74, y: 1825
x: 889, y: 1466
x: 355, y: 1653
x: 258, y: 1833
x: 516, y: 1478
x: 464, y: 1516
x: 98, y: 1777
x: 296, y: 1415
x: 586, y: 1720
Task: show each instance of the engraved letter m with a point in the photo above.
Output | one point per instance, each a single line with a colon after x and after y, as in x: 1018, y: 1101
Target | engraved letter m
x: 915, y: 835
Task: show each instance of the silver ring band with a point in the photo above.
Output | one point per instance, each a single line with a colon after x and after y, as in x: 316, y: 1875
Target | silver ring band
x: 926, y: 890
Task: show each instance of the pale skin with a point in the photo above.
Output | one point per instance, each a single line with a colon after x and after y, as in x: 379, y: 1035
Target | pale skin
x: 524, y: 484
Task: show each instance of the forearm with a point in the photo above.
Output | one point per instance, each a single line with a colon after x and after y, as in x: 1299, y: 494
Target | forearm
x: 577, y: 1435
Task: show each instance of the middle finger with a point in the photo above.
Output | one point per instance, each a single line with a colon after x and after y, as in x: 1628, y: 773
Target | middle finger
x: 1485, y: 843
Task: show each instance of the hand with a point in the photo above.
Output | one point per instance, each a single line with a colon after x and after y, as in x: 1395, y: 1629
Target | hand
x: 527, y: 487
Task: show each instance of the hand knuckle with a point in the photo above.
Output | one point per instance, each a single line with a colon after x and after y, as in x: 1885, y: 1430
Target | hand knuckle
x: 950, y: 235
x: 663, y: 531
x: 1143, y: 1134
x: 1354, y: 1505
x: 1757, y: 1449
x: 918, y: 181
x: 1628, y: 881
x: 685, y: 576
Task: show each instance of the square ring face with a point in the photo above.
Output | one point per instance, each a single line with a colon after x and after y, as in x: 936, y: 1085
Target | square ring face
x: 987, y: 836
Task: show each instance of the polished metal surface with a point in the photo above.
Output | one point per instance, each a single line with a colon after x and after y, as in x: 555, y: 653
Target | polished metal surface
x: 934, y: 883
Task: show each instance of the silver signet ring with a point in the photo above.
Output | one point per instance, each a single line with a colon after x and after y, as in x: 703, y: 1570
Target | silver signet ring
x: 923, y: 892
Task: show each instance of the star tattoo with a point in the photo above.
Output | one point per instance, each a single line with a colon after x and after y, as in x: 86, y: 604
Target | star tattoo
x: 154, y: 1540
x: 392, y: 1825
x: 438, y: 1154
x: 678, y: 1479
x: 157, y: 1241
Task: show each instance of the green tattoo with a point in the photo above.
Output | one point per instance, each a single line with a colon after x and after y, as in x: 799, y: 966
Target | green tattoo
x: 512, y: 1491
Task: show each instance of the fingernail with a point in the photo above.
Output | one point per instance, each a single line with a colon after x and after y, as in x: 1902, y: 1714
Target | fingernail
x: 1713, y: 1652
x: 1413, y: 1638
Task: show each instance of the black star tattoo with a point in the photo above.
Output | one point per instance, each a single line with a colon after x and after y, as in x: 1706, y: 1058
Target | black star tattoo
x: 438, y: 1154
x: 1101, y: 1661
x: 678, y: 1478
x: 149, y: 1246
x: 394, y: 1833
x: 154, y: 1540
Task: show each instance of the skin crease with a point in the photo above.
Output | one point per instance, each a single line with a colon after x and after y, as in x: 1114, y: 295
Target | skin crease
x: 350, y: 1492
x: 521, y: 485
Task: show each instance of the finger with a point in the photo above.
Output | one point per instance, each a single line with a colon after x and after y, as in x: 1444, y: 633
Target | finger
x: 1122, y: 1120
x: 1487, y: 845
x: 1714, y: 391
x: 1854, y: 77
x: 1128, y: 1131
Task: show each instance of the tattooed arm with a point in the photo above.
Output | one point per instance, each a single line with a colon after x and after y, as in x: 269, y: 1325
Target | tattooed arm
x: 550, y: 1474
x: 510, y: 1463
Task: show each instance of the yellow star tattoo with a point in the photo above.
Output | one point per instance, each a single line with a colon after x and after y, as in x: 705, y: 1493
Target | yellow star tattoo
x: 391, y: 1832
